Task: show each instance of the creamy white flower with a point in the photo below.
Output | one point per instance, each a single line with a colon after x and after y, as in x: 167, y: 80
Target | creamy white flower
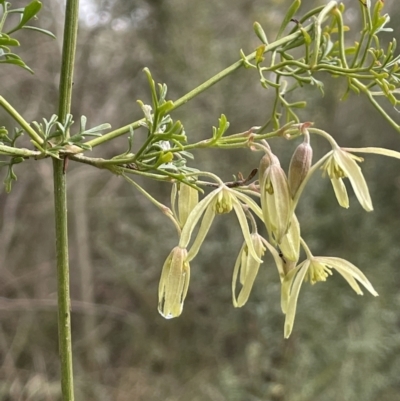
x: 174, y: 283
x: 315, y: 269
x: 246, y: 267
x: 341, y: 163
x: 221, y: 200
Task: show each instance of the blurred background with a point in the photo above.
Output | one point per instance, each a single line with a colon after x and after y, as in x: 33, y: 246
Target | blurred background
x: 343, y: 347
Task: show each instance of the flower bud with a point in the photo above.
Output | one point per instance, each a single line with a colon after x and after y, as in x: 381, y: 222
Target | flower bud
x: 299, y: 166
x: 275, y: 197
x: 174, y: 283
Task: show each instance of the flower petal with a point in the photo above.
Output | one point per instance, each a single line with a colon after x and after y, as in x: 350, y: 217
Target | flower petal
x: 250, y: 266
x: 250, y: 203
x: 164, y: 273
x: 187, y: 201
x: 353, y: 172
x: 340, y: 192
x: 194, y: 217
x: 290, y: 244
x: 377, y: 151
x: 238, y: 265
x: 278, y: 260
x: 342, y: 265
x: 286, y: 286
x: 206, y: 222
x: 294, y: 294
x: 245, y: 228
x: 252, y: 270
x: 351, y: 281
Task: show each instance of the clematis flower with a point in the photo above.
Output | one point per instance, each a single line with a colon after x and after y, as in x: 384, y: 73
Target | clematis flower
x: 341, y: 163
x: 174, y: 283
x: 220, y: 201
x: 315, y: 269
x: 246, y: 268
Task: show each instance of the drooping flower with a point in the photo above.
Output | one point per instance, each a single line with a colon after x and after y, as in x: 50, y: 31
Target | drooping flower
x: 220, y: 201
x: 341, y: 163
x: 174, y: 283
x: 315, y: 269
x: 246, y: 267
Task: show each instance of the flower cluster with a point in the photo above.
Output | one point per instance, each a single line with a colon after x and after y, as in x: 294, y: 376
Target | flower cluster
x: 278, y: 194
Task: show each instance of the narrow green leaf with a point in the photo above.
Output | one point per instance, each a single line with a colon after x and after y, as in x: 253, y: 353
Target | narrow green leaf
x: 16, y: 62
x: 93, y: 131
x: 44, y: 31
x: 152, y: 88
x: 307, y: 37
x: 260, y: 33
x: 165, y: 108
x: 5, y: 40
x: 288, y: 17
x: 298, y: 105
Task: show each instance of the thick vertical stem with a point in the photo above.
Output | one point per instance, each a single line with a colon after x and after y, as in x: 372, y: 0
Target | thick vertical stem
x: 68, y: 58
x: 60, y: 201
x: 64, y: 309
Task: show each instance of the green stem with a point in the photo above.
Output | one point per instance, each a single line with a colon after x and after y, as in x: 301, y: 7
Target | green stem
x: 164, y: 209
x: 4, y: 5
x: 20, y: 120
x: 342, y: 53
x: 68, y: 58
x: 318, y: 31
x: 64, y: 310
x: 371, y: 98
x: 11, y: 151
x: 60, y: 202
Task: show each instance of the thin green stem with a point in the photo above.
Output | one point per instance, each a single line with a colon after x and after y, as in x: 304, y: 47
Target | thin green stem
x: 4, y: 5
x: 20, y: 120
x: 147, y: 142
x: 321, y: 17
x: 339, y: 19
x: 11, y: 151
x: 371, y: 98
x: 164, y: 209
x: 60, y: 202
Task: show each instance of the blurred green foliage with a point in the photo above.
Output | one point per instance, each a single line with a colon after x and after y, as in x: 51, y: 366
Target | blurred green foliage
x: 343, y: 348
